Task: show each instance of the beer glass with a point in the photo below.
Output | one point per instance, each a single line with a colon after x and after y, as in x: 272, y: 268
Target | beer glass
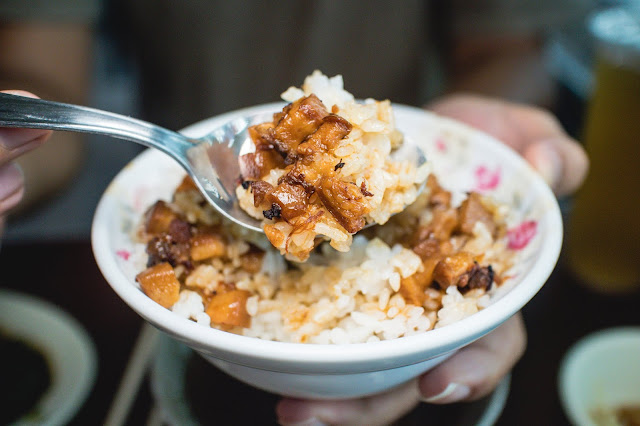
x: 603, y: 241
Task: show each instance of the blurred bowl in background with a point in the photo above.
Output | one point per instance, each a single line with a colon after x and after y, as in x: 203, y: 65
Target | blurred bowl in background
x: 66, y: 347
x: 601, y: 374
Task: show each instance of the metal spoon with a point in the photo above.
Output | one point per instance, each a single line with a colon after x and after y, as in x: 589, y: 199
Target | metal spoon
x: 212, y: 160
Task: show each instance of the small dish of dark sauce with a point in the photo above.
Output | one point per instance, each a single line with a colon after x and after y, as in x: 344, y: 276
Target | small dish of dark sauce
x: 25, y: 370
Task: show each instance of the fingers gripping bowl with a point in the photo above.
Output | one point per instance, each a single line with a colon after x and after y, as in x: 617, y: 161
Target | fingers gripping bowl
x: 463, y: 159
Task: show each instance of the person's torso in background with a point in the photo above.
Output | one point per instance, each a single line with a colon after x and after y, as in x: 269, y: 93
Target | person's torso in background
x: 200, y: 58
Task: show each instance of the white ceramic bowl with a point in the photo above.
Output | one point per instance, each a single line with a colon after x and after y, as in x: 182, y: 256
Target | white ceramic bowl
x: 65, y: 345
x: 465, y: 159
x: 601, y: 372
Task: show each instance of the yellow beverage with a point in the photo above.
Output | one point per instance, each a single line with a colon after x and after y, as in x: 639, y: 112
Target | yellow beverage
x: 604, y: 229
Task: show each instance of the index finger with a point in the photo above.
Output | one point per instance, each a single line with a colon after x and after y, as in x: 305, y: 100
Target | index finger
x: 16, y: 141
x: 534, y: 133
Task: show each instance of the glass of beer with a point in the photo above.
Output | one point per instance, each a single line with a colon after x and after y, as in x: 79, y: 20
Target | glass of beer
x: 603, y: 240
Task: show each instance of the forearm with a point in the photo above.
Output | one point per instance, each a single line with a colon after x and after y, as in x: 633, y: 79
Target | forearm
x: 52, y: 60
x: 496, y: 48
x: 506, y: 67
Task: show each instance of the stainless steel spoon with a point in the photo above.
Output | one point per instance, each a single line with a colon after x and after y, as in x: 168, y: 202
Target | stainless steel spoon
x: 212, y: 160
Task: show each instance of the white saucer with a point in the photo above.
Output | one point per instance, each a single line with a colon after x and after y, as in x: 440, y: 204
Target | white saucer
x: 66, y: 346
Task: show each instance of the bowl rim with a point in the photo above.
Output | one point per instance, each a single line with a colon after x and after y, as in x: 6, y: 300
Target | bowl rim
x: 447, y: 338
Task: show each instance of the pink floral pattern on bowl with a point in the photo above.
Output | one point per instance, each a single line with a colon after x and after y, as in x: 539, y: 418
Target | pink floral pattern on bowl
x: 123, y: 254
x: 486, y: 179
x: 520, y: 236
x: 440, y: 145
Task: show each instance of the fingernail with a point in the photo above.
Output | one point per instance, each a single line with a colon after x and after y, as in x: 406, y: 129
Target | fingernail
x: 452, y: 393
x: 309, y: 422
x: 10, y: 180
x: 547, y: 161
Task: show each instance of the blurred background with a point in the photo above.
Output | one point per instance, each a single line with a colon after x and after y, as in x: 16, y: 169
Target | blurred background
x: 175, y: 63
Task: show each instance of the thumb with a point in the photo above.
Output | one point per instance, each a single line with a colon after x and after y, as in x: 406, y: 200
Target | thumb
x: 561, y: 162
x: 11, y: 187
x: 17, y: 141
x: 476, y: 370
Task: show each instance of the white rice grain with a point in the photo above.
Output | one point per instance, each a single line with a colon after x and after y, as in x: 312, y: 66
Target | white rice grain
x: 189, y: 305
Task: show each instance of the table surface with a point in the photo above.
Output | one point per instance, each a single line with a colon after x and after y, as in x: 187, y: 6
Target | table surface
x: 66, y: 274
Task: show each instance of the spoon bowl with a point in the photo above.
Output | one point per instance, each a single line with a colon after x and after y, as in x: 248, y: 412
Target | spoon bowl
x: 211, y: 161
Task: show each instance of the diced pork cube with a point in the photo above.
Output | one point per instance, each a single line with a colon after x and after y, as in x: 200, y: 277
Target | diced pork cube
x: 159, y: 282
x: 229, y: 308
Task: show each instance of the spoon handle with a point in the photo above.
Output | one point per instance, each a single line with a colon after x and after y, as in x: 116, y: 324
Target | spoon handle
x: 31, y: 113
